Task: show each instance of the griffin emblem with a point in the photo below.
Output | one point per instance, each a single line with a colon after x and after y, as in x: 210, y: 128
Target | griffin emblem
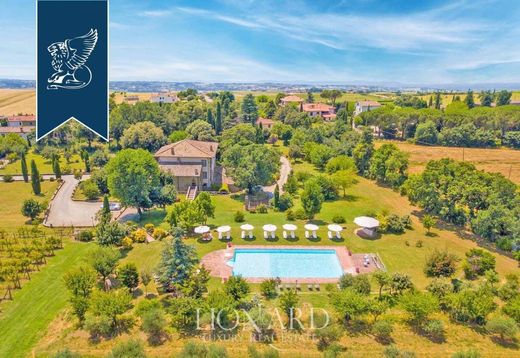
x: 69, y: 61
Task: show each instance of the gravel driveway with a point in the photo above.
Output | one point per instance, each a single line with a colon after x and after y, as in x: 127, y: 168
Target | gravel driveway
x: 285, y: 170
x: 66, y: 212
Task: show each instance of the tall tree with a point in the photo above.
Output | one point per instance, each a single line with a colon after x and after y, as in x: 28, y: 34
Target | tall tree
x: 249, y: 109
x: 35, y: 178
x: 310, y: 97
x: 312, y: 198
x: 438, y: 100
x: 56, y: 167
x: 503, y: 97
x: 25, y: 172
x: 486, y: 98
x: 218, y: 119
x: 209, y: 118
x: 469, y: 100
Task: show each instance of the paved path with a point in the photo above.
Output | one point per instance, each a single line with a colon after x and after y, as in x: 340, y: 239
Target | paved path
x: 285, y: 170
x: 66, y: 212
x: 20, y: 177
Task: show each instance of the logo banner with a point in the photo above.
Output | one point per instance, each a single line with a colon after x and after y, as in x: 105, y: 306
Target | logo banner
x: 72, y: 65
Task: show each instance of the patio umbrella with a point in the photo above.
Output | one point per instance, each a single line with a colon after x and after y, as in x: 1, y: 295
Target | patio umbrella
x: 366, y: 222
x: 223, y: 229
x: 311, y: 227
x: 335, y: 227
x: 247, y: 227
x: 269, y: 227
x: 289, y: 227
x: 201, y: 229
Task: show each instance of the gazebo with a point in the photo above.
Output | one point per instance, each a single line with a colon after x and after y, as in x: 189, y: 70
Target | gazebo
x: 369, y: 225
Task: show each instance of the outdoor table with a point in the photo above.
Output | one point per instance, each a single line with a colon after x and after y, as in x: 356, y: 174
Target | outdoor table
x: 312, y: 228
x: 368, y: 224
x: 337, y: 229
x: 248, y: 228
x: 270, y: 228
x: 223, y: 230
x: 291, y: 228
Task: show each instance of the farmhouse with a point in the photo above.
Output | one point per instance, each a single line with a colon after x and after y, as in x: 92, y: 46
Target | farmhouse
x: 21, y: 131
x: 131, y: 99
x: 21, y: 121
x: 291, y: 99
x: 365, y: 106
x: 164, y: 98
x: 319, y: 109
x: 265, y: 122
x: 191, y: 162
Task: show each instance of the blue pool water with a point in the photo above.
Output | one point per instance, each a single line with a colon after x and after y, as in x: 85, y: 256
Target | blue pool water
x: 286, y: 263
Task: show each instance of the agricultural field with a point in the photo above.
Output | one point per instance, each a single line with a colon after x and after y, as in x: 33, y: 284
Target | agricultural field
x: 498, y: 160
x: 13, y: 102
x: 447, y: 98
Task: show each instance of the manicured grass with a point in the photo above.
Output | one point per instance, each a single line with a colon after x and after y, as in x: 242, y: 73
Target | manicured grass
x: 24, y: 320
x: 44, y: 166
x: 12, y: 196
x: 499, y: 160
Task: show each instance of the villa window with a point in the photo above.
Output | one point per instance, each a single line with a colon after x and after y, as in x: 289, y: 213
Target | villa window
x: 204, y: 175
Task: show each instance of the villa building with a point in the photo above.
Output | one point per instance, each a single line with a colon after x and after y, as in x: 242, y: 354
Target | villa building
x: 319, y: 109
x: 21, y: 125
x: 191, y: 162
x: 164, y: 98
x: 365, y: 106
x: 291, y: 99
x: 21, y: 131
x: 265, y: 122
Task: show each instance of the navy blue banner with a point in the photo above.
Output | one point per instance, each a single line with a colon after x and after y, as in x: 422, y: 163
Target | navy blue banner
x: 72, y: 63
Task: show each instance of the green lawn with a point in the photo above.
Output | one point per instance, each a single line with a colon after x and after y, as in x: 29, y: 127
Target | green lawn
x: 12, y: 196
x: 24, y: 320
x: 44, y: 166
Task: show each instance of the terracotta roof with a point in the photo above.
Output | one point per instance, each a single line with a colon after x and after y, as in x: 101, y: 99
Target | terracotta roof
x: 369, y: 103
x: 21, y: 118
x: 317, y: 107
x: 265, y: 121
x: 292, y: 98
x: 16, y: 129
x: 188, y: 148
x: 183, y: 170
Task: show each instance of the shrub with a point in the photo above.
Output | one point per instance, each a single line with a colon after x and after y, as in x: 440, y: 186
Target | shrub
x: 472, y: 353
x: 224, y: 189
x: 149, y: 228
x: 239, y: 217
x: 434, y: 329
x: 338, y: 219
x: 477, y: 263
x: 504, y: 327
x: 327, y: 336
x: 285, y: 202
x: 66, y: 353
x: 8, y: 178
x: 359, y: 283
x: 268, y: 288
x: 394, y: 224
x: 382, y: 330
x: 85, y: 235
x: 300, y: 214
x: 419, y: 243
x: 129, y: 349
x: 89, y: 189
x: 394, y: 352
x: 289, y: 215
x: 154, y: 324
x: 440, y: 264
x: 262, y: 209
x: 139, y: 235
x: 159, y: 234
x: 127, y: 243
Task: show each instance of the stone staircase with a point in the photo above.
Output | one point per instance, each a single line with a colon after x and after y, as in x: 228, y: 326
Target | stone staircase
x: 192, y: 192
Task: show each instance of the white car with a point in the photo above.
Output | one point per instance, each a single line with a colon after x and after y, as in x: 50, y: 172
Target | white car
x: 113, y: 206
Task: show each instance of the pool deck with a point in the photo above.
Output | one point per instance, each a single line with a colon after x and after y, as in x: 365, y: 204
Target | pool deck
x: 216, y: 262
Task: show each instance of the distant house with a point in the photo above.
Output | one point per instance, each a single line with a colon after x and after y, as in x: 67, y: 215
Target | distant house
x: 319, y: 109
x: 191, y: 162
x: 515, y: 103
x: 291, y: 99
x: 265, y: 122
x: 365, y: 106
x: 164, y: 98
x: 131, y: 99
x: 21, y: 131
x: 21, y: 121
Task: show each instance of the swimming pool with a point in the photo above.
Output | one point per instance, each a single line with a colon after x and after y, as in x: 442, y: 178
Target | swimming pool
x: 286, y: 263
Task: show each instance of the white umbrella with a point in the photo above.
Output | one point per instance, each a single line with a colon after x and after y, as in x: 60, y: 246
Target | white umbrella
x: 289, y: 227
x: 335, y: 227
x: 366, y: 222
x: 201, y: 229
x: 269, y: 227
x: 224, y: 228
x: 247, y: 227
x: 311, y: 227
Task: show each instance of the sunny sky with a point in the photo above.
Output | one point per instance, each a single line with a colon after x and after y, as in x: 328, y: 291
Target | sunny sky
x: 350, y: 41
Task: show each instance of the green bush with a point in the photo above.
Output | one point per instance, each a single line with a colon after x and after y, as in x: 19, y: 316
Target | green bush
x: 85, y: 235
x: 239, y: 216
x: 224, y: 189
x: 66, y: 353
x: 268, y: 288
x: 8, y: 178
x: 89, y: 189
x: 434, y: 329
x: 290, y: 215
x: 262, y: 209
x: 285, y: 202
x: 300, y: 214
x: 338, y: 219
x: 129, y: 349
x: 149, y: 227
x: 159, y: 234
x: 382, y: 330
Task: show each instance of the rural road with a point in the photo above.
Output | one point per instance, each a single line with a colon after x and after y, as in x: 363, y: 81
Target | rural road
x: 66, y: 212
x: 285, y: 170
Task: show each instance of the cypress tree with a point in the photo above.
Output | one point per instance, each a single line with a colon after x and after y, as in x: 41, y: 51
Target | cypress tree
x: 430, y: 102
x: 209, y: 118
x: 106, y: 205
x: 56, y: 167
x: 35, y: 179
x: 218, y: 119
x: 470, y: 101
x: 25, y: 172
x: 276, y: 196
x: 86, y: 159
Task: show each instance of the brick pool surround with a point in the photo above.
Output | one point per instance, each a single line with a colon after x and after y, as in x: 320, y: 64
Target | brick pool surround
x: 216, y: 262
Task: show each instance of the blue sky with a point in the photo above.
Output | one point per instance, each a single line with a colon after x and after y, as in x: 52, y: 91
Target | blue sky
x: 350, y: 41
